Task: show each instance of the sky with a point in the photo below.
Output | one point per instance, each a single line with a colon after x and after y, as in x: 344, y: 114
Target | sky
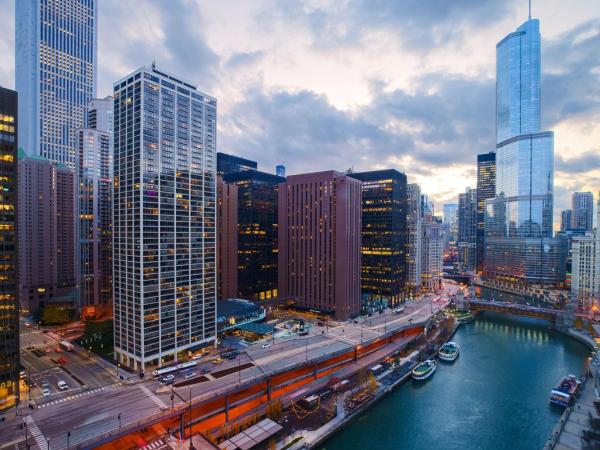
x: 364, y: 84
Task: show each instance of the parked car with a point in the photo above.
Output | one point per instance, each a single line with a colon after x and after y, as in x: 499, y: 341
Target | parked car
x: 219, y: 360
x: 189, y: 375
x: 62, y: 385
x: 267, y: 345
x: 45, y: 392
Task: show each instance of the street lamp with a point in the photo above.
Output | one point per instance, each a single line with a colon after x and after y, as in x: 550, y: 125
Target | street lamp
x: 119, y: 417
x: 191, y: 443
x: 68, y: 439
x: 26, y: 436
x: 48, y: 443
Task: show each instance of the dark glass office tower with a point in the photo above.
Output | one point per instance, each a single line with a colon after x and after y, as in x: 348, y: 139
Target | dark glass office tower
x: 486, y: 188
x: 9, y: 310
x: 227, y: 164
x: 254, y: 271
x: 384, y: 236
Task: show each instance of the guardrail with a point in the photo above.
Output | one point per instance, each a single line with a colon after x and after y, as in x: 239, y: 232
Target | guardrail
x: 180, y: 408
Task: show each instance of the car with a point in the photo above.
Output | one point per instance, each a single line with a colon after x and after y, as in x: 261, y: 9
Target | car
x: 189, y: 375
x: 45, y: 392
x: 166, y: 378
x: 205, y: 370
x: 45, y: 383
x: 28, y: 325
x: 219, y: 360
x: 197, y: 357
x: 58, y: 350
x: 62, y: 360
x: 47, y: 350
x: 62, y: 385
x: 267, y: 345
x: 303, y: 333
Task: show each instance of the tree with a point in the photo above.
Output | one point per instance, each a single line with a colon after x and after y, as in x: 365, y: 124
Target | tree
x: 371, y: 383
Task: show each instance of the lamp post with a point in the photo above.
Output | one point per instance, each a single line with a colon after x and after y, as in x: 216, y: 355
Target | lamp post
x: 191, y: 443
x: 48, y: 443
x: 119, y: 417
x: 68, y: 439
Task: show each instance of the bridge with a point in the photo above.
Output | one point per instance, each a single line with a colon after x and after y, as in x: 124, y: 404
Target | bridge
x: 516, y: 309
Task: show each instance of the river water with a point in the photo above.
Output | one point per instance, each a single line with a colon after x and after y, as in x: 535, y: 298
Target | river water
x: 494, y: 396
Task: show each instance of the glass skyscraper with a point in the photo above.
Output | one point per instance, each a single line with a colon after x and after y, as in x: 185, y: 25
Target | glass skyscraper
x: 486, y: 188
x: 9, y: 305
x: 55, y: 71
x: 164, y: 205
x: 384, y: 237
x: 518, y: 225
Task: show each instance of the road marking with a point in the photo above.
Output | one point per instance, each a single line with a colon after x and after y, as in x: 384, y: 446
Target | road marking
x: 36, y: 432
x: 153, y: 397
x: 154, y: 445
x: 71, y: 397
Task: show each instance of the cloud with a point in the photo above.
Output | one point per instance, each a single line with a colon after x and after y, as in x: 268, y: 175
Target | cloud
x: 133, y: 34
x: 571, y: 76
x: 419, y: 25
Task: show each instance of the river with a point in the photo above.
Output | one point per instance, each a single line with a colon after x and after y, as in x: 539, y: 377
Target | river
x: 494, y: 396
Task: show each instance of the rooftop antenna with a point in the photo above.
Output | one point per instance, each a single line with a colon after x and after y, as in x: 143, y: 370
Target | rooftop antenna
x: 154, y: 59
x: 529, y: 9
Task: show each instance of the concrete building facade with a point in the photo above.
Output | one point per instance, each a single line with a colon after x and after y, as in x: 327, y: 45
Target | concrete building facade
x: 319, y: 242
x: 164, y: 231
x: 47, y: 244
x: 95, y: 175
x: 413, y: 223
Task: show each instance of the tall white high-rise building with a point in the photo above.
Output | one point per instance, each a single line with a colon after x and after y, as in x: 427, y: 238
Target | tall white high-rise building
x: 585, y: 279
x: 164, y: 218
x: 95, y: 175
x: 55, y: 72
x: 432, y: 253
x: 413, y: 224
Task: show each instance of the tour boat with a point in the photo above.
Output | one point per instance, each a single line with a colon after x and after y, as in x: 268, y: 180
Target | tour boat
x: 449, y: 351
x: 564, y: 394
x: 424, y: 370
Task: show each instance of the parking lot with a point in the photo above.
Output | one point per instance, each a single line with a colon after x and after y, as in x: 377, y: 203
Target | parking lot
x: 46, y: 364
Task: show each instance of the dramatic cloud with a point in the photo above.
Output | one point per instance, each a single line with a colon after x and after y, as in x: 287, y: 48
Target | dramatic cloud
x: 334, y: 84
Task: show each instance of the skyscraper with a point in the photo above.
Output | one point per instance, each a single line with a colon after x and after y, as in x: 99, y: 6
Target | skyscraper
x: 566, y: 219
x: 384, y: 236
x: 95, y: 174
x: 280, y: 170
x: 319, y: 242
x: 486, y: 189
x: 47, y: 253
x: 432, y: 253
x: 467, y: 229
x: 250, y: 199
x: 9, y: 305
x: 586, y: 266
x: 413, y: 224
x: 582, y: 205
x: 518, y: 226
x: 55, y: 64
x: 164, y: 218
x: 451, y: 221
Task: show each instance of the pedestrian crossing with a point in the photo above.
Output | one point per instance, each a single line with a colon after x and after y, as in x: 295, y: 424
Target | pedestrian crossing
x: 153, y: 397
x: 156, y: 445
x: 40, y: 440
x: 159, y: 429
x: 71, y: 397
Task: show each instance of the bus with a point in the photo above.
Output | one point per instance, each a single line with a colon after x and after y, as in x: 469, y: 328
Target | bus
x: 66, y: 345
x: 173, y: 369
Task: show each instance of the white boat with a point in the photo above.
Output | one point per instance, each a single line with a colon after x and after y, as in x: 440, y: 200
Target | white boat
x: 449, y: 351
x: 424, y: 370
